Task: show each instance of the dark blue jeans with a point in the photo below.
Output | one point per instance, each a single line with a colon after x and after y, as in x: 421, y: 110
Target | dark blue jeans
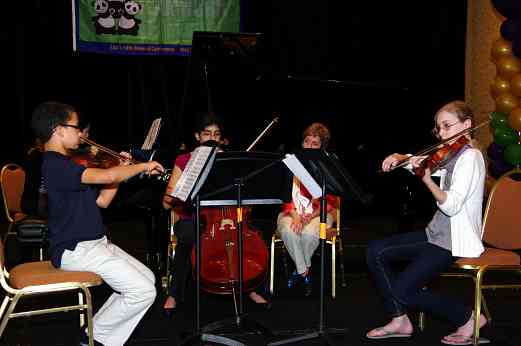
x: 406, y: 289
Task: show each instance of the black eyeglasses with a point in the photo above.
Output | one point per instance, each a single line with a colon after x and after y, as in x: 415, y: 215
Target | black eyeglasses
x: 73, y: 126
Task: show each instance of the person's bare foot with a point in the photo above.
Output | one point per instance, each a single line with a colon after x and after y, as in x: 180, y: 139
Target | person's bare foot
x: 257, y: 298
x: 170, y: 303
x: 466, y: 331
x: 399, y: 326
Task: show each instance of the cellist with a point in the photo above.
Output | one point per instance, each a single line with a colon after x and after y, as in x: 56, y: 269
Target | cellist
x: 208, y: 128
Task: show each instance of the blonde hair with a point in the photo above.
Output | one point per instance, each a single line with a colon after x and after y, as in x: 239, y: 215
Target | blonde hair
x: 319, y: 130
x: 463, y: 112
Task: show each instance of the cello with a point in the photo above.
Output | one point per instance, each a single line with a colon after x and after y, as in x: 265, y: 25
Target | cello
x: 219, y: 272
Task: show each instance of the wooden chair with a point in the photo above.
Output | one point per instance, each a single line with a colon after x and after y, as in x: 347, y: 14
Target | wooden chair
x: 501, y: 231
x: 41, y: 278
x: 334, y: 237
x: 12, y: 182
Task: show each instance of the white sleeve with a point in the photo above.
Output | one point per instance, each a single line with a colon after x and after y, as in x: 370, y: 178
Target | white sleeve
x: 466, y: 177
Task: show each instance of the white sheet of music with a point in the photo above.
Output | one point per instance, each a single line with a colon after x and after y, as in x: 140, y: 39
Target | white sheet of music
x: 303, y: 175
x: 195, y: 173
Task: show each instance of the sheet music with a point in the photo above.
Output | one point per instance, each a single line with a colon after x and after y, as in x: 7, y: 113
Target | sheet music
x: 303, y: 175
x: 195, y: 173
x: 151, y: 137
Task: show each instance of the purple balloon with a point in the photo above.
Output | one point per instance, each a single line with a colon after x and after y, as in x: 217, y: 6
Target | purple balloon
x: 495, y: 151
x: 498, y: 167
x: 510, y: 29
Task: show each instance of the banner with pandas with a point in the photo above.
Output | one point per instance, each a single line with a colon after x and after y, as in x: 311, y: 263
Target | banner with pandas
x: 148, y: 27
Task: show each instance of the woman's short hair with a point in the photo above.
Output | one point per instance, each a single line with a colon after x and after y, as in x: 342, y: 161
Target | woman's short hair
x: 320, y: 130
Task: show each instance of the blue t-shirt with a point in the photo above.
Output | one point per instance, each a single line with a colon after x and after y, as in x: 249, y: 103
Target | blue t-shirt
x: 73, y: 213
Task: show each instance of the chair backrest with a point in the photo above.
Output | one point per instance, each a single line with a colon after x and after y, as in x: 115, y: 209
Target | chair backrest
x: 502, y: 220
x: 12, y: 180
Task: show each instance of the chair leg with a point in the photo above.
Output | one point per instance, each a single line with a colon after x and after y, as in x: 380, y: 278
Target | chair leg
x: 421, y: 318
x: 477, y: 304
x: 80, y: 302
x: 90, y: 328
x: 341, y: 258
x: 421, y: 321
x: 485, y: 307
x: 272, y: 263
x: 2, y: 310
x: 8, y: 312
x: 333, y: 267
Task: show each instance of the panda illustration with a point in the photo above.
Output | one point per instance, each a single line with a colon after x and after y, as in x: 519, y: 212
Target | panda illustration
x: 108, y: 12
x: 103, y: 21
x: 128, y: 24
x: 116, y: 8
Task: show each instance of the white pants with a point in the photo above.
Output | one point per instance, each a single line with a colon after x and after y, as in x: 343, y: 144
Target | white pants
x: 132, y: 281
x: 300, y: 246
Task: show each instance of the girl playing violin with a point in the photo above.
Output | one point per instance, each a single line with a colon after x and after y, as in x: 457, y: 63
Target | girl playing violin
x: 209, y: 128
x: 453, y: 232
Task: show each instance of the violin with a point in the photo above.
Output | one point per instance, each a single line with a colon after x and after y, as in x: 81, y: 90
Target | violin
x: 104, y: 157
x: 441, y: 156
x: 438, y: 154
x: 94, y: 158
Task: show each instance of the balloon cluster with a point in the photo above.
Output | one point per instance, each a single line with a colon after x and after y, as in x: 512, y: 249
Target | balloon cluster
x: 505, y: 151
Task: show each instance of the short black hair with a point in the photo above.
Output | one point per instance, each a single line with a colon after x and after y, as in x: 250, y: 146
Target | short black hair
x: 83, y: 120
x: 205, y: 119
x: 47, y: 116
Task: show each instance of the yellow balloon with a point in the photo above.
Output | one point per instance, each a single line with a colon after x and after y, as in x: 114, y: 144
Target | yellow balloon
x: 506, y: 102
x: 508, y: 66
x: 515, y: 84
x: 499, y: 86
x: 501, y: 48
x: 514, y: 119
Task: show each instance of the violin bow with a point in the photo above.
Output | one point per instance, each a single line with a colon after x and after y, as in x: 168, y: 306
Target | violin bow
x: 270, y: 125
x: 437, y: 145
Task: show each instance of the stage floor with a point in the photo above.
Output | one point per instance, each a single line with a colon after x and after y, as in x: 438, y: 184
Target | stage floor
x: 356, y: 309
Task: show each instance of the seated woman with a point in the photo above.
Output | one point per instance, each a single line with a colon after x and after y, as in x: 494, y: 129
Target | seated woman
x: 298, y: 223
x: 209, y: 128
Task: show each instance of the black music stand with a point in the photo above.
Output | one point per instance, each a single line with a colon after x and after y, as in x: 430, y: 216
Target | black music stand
x: 328, y: 173
x: 238, y: 179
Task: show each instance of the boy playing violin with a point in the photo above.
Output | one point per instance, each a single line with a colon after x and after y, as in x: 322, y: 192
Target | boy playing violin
x: 77, y: 240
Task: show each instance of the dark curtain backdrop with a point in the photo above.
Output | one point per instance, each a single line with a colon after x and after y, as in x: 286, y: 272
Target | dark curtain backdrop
x: 374, y: 71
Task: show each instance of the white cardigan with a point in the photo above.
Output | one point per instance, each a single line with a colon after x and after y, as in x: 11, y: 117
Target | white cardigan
x: 464, y: 203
